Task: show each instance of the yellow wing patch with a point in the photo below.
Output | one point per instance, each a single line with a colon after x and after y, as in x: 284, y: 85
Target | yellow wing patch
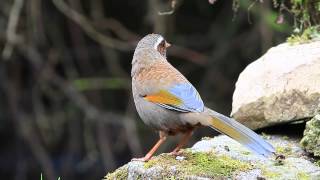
x: 163, y: 97
x: 224, y: 128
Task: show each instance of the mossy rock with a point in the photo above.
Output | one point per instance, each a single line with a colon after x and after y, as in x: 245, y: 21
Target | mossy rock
x: 224, y: 158
x: 120, y: 173
x: 311, y: 136
x: 202, y: 164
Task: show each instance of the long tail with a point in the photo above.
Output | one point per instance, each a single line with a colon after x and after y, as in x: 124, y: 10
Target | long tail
x: 240, y: 133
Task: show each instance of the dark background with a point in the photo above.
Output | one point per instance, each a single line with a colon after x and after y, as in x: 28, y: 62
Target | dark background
x: 65, y: 89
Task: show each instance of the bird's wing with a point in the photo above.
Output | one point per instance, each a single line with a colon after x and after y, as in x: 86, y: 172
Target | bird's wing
x: 182, y: 97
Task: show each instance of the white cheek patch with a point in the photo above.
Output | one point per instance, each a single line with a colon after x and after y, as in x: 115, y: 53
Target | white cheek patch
x: 159, y: 40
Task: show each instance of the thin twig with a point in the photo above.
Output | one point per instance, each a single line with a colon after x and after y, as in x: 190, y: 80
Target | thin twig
x: 66, y: 87
x: 26, y: 131
x: 79, y: 100
x: 104, y: 144
x: 85, y: 24
x: 249, y: 10
x: 173, y: 7
x: 131, y: 130
x: 117, y: 28
x: 11, y: 29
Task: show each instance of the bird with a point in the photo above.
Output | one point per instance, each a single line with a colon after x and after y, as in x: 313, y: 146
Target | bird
x: 167, y: 102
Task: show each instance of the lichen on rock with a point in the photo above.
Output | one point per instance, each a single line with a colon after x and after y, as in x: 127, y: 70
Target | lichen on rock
x: 120, y: 173
x: 311, y: 136
x: 204, y: 164
x: 194, y: 164
x: 223, y: 158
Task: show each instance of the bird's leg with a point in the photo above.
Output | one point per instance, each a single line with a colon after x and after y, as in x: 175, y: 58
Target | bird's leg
x: 183, y: 142
x: 147, y: 157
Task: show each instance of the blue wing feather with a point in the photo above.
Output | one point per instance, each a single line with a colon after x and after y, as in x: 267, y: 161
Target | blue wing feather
x: 190, y: 98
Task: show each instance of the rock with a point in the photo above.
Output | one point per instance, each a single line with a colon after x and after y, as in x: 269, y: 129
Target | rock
x: 223, y: 158
x: 311, y: 136
x: 281, y: 86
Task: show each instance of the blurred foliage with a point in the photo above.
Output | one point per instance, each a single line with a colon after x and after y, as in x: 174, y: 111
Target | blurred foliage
x: 85, y: 84
x: 310, y: 34
x: 306, y: 21
x: 66, y: 108
x: 306, y: 13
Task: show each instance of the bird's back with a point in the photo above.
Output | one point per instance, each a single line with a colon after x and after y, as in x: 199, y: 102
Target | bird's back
x: 161, y: 75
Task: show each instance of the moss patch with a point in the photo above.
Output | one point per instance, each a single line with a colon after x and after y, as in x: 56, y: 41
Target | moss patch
x: 246, y: 152
x: 265, y: 135
x: 286, y: 151
x: 270, y: 175
x: 194, y: 164
x: 303, y: 176
x: 311, y: 136
x: 216, y: 165
x: 310, y: 34
x: 199, y: 164
x: 120, y: 173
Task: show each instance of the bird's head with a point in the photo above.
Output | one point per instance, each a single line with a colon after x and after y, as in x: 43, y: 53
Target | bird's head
x: 153, y: 41
x: 151, y: 48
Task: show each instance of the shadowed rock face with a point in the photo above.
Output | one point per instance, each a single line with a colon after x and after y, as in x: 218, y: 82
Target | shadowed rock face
x: 281, y: 86
x: 224, y: 158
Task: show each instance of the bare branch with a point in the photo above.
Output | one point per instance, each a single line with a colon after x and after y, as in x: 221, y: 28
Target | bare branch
x: 85, y: 24
x: 11, y: 29
x: 173, y: 7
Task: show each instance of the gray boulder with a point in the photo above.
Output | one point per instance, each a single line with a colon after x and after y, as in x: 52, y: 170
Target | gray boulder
x: 281, y: 86
x: 224, y: 158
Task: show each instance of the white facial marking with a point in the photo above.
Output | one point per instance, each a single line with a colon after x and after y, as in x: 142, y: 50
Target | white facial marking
x: 159, y: 40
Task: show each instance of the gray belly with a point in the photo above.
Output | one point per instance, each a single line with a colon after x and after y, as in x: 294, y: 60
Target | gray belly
x: 160, y: 118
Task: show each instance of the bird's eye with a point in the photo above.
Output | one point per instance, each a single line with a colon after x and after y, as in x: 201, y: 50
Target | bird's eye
x: 162, y: 48
x: 163, y: 43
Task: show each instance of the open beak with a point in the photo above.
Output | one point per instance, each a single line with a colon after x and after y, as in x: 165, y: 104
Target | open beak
x: 167, y: 44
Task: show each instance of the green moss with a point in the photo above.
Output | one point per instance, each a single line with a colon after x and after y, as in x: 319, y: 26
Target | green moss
x: 265, y: 136
x: 199, y: 164
x: 120, y: 173
x: 139, y: 177
x: 310, y: 34
x: 311, y: 136
x: 270, y: 175
x: 246, y: 152
x: 279, y: 162
x: 171, y: 178
x: 303, y: 176
x: 286, y: 151
x: 285, y: 137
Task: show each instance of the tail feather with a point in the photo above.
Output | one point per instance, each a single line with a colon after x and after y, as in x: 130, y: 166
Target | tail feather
x: 240, y: 133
